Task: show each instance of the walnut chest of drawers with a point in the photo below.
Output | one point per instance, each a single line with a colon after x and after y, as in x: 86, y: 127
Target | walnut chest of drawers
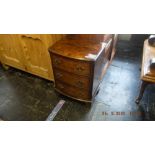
x: 79, y: 65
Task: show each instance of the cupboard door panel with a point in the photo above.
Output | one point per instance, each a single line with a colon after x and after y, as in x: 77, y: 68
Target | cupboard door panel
x: 36, y: 56
x: 11, y: 50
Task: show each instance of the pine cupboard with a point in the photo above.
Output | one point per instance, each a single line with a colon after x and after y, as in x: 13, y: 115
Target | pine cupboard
x: 28, y: 52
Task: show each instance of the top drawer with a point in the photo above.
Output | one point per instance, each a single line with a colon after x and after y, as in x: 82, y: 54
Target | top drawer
x: 70, y: 65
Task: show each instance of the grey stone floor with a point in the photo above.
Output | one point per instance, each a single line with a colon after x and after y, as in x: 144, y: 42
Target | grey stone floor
x: 24, y: 97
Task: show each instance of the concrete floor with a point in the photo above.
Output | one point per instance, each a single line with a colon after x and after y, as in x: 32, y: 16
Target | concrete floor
x: 24, y: 97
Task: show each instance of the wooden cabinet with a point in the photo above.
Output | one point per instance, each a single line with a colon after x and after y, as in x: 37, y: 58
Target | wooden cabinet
x: 80, y: 62
x: 28, y: 52
x: 147, y: 72
x: 11, y: 51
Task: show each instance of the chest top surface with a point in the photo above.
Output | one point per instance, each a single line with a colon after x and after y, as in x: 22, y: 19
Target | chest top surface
x: 78, y: 49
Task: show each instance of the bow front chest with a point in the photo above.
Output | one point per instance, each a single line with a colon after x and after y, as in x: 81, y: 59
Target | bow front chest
x: 79, y: 65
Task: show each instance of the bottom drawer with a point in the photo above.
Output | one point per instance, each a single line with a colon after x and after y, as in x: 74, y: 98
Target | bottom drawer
x: 72, y: 91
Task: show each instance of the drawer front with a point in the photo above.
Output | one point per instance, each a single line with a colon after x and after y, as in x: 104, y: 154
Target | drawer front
x: 70, y: 65
x: 72, y: 91
x: 72, y: 79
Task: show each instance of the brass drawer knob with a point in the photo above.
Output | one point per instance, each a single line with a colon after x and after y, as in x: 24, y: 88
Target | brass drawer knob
x: 81, y: 94
x: 80, y: 68
x: 61, y: 86
x: 59, y: 75
x: 57, y: 61
x: 79, y: 84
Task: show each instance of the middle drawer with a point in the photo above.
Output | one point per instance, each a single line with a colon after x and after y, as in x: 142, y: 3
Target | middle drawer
x: 72, y: 79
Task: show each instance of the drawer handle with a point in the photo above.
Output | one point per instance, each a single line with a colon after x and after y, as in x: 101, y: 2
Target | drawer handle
x: 81, y: 94
x: 59, y: 75
x: 61, y: 86
x: 57, y: 61
x: 80, y: 68
x: 79, y: 84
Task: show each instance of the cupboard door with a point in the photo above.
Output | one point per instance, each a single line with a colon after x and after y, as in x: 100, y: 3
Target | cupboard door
x: 37, y: 60
x: 28, y: 52
x: 11, y: 51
